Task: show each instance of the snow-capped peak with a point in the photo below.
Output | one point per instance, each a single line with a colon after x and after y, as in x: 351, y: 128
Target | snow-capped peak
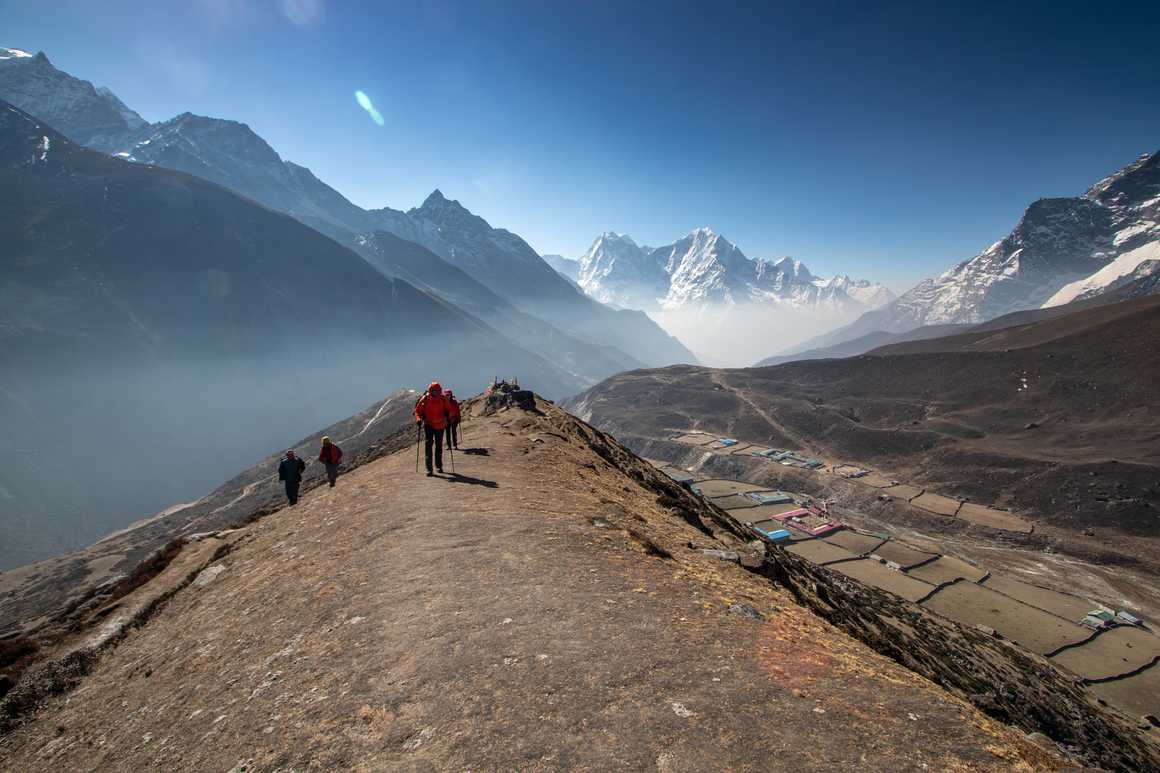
x: 1062, y: 249
x: 613, y: 236
x: 14, y: 53
x: 704, y: 267
x: 790, y: 266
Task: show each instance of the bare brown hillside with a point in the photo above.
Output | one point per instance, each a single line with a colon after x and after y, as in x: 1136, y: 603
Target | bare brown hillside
x: 550, y: 606
x: 1057, y: 420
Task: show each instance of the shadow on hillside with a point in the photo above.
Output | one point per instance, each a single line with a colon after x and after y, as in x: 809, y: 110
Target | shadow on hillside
x: 457, y: 478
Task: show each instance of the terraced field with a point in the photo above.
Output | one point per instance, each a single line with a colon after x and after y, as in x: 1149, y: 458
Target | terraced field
x: 1120, y: 663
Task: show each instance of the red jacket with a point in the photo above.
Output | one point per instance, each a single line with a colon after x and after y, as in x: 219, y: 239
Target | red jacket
x: 453, y: 410
x: 432, y: 408
x: 330, y: 454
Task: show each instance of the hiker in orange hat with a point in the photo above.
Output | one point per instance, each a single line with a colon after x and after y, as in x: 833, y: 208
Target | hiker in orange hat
x: 433, y: 414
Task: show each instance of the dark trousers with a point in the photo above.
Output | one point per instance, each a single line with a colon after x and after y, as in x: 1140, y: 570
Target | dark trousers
x: 453, y: 434
x: 292, y: 491
x: 331, y: 473
x: 434, y: 437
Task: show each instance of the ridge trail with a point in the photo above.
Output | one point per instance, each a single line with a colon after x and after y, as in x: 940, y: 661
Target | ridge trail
x: 404, y: 622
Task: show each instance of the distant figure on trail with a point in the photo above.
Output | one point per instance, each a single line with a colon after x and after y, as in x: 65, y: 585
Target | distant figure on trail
x: 331, y: 457
x: 290, y: 471
x: 453, y: 417
x: 432, y: 413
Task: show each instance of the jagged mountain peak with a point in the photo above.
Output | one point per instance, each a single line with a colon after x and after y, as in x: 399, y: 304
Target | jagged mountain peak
x: 444, y: 211
x: 195, y: 122
x: 1062, y: 249
x: 215, y: 148
x: 1137, y: 182
x: 613, y: 236
x: 704, y: 267
x: 790, y: 266
x: 80, y: 111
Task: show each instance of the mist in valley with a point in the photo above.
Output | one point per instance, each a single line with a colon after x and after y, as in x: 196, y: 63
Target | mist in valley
x: 739, y: 335
x: 100, y: 447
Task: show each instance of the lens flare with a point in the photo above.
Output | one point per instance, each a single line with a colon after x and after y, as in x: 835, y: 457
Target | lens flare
x: 365, y: 103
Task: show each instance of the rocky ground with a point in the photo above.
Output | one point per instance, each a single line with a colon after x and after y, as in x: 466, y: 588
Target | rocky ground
x: 549, y: 606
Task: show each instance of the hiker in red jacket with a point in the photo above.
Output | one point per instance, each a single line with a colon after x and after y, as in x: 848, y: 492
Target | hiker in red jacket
x: 331, y: 457
x: 432, y: 413
x: 453, y: 417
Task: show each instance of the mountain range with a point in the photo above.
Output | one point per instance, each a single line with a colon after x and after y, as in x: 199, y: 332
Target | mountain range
x: 233, y: 155
x: 1061, y: 250
x: 704, y: 268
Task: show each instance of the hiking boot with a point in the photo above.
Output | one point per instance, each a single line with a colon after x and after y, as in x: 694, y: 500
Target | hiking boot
x: 440, y: 470
x: 431, y: 474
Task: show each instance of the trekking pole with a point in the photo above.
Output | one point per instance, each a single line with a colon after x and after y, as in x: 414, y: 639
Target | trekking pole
x: 416, y: 448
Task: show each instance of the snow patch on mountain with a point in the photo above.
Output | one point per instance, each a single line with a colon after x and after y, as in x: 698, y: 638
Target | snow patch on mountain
x: 1136, y: 263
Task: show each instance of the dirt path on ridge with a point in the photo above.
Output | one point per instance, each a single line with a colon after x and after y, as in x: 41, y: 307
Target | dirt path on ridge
x: 541, y: 612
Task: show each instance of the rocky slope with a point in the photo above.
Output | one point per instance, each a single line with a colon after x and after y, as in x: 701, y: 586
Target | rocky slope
x: 413, y: 622
x: 1051, y: 419
x: 705, y: 268
x: 1061, y: 250
x: 156, y: 327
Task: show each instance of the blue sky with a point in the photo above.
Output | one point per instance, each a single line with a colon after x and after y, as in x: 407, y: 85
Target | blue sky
x: 886, y: 140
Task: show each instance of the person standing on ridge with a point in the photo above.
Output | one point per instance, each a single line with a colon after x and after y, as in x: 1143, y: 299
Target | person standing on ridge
x: 331, y: 457
x: 432, y: 413
x: 290, y: 472
x: 453, y: 416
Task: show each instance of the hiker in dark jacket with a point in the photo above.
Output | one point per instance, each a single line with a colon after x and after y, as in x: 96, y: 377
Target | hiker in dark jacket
x: 290, y: 471
x: 453, y: 416
x: 331, y: 457
x: 431, y: 412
